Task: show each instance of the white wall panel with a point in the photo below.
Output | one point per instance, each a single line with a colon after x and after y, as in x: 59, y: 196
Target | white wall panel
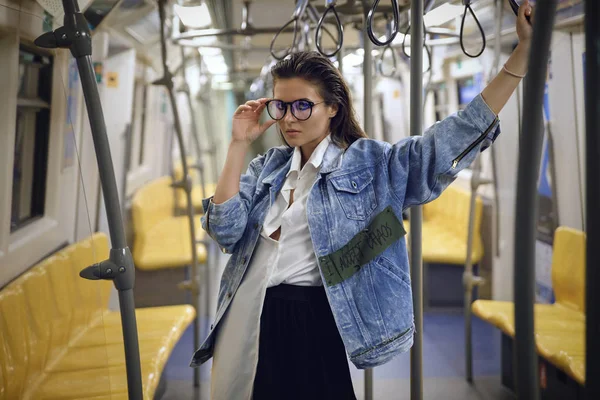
x: 117, y: 100
x: 563, y: 125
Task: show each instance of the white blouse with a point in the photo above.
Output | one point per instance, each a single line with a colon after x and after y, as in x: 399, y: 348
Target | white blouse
x: 290, y: 260
x: 294, y: 260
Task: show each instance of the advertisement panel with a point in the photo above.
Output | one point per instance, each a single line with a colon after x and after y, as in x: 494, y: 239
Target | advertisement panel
x: 547, y: 220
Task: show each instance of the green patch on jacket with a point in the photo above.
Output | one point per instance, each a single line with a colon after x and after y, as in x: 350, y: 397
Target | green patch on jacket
x: 369, y: 243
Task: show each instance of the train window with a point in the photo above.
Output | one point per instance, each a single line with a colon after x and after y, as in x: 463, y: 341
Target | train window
x: 31, y: 138
x: 468, y: 89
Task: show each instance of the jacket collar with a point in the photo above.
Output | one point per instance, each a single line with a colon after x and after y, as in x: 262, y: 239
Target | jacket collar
x: 316, y: 158
x: 332, y: 161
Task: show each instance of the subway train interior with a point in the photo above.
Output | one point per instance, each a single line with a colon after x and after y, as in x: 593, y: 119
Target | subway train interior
x: 116, y: 125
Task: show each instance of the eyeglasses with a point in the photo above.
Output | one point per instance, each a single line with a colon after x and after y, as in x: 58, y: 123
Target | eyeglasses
x: 301, y: 109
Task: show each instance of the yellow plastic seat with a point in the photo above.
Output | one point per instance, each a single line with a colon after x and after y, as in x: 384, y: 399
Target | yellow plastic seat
x: 59, y: 340
x: 162, y: 240
x: 559, y: 327
x: 445, y: 228
x: 197, y: 195
x: 548, y: 317
x: 167, y: 245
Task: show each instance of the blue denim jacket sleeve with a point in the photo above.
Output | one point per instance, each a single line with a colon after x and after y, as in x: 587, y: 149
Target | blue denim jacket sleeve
x: 226, y: 222
x: 429, y: 163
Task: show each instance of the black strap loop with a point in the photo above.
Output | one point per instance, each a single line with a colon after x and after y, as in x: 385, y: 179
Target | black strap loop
x: 462, y: 27
x: 320, y: 27
x: 290, y: 49
x: 380, y: 62
x: 427, y: 49
x: 396, y: 18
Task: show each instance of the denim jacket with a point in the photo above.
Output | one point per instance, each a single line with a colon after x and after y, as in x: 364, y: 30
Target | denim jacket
x: 354, y: 212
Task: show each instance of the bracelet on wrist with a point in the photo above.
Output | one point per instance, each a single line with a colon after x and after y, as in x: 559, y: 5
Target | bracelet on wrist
x: 512, y: 73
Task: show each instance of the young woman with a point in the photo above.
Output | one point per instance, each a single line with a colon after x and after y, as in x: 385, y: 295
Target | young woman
x: 319, y: 268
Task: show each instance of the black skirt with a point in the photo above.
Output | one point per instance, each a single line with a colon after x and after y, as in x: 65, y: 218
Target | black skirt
x: 301, y: 354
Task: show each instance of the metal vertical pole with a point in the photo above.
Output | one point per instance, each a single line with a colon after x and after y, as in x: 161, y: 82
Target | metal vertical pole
x: 210, y: 134
x: 416, y: 213
x: 200, y: 167
x: 495, y: 68
x: 119, y: 250
x: 75, y: 35
x: 194, y: 126
x: 471, y: 281
x: 128, y: 136
x: 167, y: 81
x: 368, y: 125
x: 592, y: 123
x: 530, y: 149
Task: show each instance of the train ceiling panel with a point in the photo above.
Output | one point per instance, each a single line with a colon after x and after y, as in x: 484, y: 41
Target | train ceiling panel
x: 137, y: 21
x: 129, y: 12
x: 145, y: 30
x: 55, y: 8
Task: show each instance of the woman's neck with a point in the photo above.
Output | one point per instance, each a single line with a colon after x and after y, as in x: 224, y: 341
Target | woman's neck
x: 307, y: 150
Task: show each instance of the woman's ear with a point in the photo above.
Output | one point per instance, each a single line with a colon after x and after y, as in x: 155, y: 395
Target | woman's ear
x: 333, y: 109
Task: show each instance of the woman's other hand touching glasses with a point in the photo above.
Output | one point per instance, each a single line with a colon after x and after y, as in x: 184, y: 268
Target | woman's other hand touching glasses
x: 246, y: 126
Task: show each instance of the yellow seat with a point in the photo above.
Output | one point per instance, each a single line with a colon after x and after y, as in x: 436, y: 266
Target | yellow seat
x: 445, y: 228
x: 559, y: 327
x: 197, y: 195
x: 548, y: 317
x: 168, y: 245
x: 162, y: 240
x: 59, y: 340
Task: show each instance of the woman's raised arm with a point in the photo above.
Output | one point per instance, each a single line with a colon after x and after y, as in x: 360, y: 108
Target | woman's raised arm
x: 499, y: 90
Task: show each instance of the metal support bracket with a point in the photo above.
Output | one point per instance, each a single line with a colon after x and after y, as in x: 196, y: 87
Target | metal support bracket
x: 166, y: 80
x: 118, y: 268
x: 185, y: 184
x: 74, y: 35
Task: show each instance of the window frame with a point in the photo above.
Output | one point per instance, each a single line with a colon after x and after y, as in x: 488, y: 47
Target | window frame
x: 36, y: 112
x: 23, y: 247
x: 140, y: 169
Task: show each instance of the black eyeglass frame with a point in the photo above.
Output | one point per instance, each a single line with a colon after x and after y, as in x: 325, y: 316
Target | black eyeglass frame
x: 290, y: 103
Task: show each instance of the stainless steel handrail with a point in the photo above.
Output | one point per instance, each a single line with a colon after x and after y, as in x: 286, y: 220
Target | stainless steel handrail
x: 530, y: 149
x: 416, y: 212
x: 186, y: 185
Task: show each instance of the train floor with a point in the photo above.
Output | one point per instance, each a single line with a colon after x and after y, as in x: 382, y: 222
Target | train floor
x: 443, y: 365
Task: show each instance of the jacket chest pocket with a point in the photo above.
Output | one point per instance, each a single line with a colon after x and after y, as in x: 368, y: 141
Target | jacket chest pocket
x: 356, y: 194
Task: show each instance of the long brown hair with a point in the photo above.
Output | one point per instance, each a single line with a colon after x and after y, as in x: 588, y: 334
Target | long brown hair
x: 320, y: 71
